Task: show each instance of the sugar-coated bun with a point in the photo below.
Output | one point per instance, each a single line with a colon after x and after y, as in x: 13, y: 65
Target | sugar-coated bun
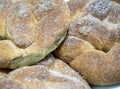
x: 99, y: 68
x: 30, y: 30
x: 92, y: 46
x: 51, y: 73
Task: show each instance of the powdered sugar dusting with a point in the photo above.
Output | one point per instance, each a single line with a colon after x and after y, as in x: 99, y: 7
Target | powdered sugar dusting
x: 43, y: 7
x: 4, y: 6
x: 21, y: 24
x: 114, y: 14
x: 98, y: 8
x: 42, y: 76
x: 64, y: 76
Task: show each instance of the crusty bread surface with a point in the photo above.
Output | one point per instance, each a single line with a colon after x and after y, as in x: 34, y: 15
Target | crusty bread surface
x: 93, y: 41
x: 30, y: 30
x: 51, y: 73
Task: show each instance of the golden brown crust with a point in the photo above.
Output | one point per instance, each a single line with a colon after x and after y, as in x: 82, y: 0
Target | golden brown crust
x: 4, y: 9
x: 33, y: 28
x: 71, y: 48
x: 90, y: 29
x: 76, y: 6
x: 99, y: 26
x: 51, y: 30
x: 101, y: 35
x: 21, y: 24
x: 99, y: 68
x: 49, y: 75
x: 9, y: 51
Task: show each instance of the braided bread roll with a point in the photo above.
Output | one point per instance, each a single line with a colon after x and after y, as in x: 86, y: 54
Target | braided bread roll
x: 49, y: 74
x: 92, y: 46
x: 30, y: 30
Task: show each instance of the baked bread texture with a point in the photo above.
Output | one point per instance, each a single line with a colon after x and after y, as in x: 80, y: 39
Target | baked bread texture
x: 30, y: 30
x: 2, y: 74
x: 92, y: 46
x: 51, y: 73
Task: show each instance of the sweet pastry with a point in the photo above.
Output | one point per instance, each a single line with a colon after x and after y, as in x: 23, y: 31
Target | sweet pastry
x: 93, y: 44
x: 30, y: 30
x: 51, y: 73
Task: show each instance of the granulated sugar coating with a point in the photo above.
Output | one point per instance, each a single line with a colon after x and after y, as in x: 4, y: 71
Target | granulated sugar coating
x: 49, y: 74
x: 33, y: 27
x: 95, y: 24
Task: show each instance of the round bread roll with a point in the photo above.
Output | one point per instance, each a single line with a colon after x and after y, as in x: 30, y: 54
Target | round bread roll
x: 93, y: 44
x: 49, y: 74
x: 30, y: 30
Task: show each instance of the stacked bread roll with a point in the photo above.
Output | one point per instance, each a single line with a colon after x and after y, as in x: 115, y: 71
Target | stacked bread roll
x: 92, y: 46
x: 51, y: 73
x: 30, y: 30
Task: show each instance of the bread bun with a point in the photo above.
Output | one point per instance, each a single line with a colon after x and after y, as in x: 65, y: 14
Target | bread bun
x: 51, y: 73
x: 98, y: 26
x: 30, y: 30
x: 99, y: 68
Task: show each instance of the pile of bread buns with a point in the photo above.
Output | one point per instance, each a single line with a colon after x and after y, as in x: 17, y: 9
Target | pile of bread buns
x: 53, y: 44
